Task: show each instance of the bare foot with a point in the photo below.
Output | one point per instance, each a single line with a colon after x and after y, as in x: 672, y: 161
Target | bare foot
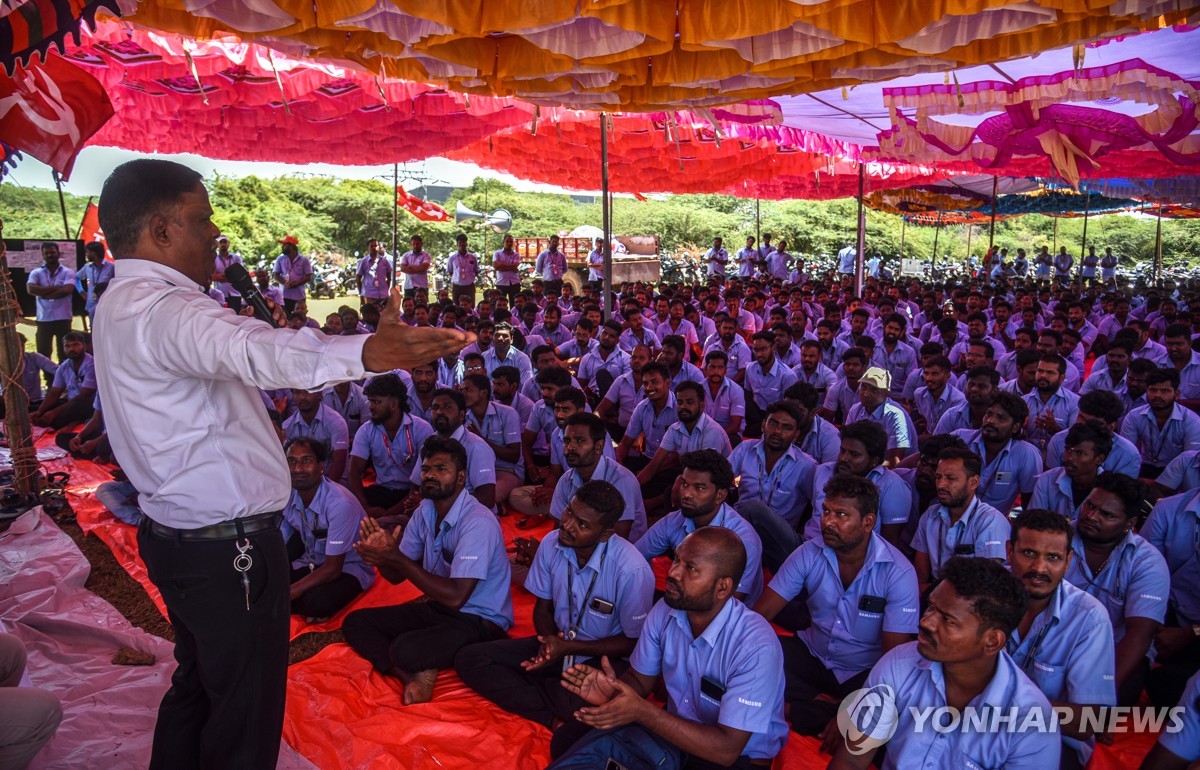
x: 419, y: 688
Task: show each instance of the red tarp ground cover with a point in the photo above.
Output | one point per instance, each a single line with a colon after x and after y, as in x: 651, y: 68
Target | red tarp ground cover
x: 341, y: 713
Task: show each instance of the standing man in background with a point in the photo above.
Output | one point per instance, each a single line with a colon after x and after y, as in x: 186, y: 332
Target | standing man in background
x: 508, y: 278
x: 53, y: 285
x: 213, y: 480
x: 222, y: 261
x: 415, y: 266
x: 463, y: 267
x: 292, y: 271
x: 373, y: 278
x: 551, y: 265
x: 93, y: 277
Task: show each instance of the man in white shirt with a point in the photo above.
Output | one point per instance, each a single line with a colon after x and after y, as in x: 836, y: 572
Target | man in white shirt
x: 213, y: 480
x: 53, y: 285
x: 415, y: 266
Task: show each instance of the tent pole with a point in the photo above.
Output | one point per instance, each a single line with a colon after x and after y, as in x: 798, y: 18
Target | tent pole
x: 936, y: 232
x: 970, y: 232
x: 1054, y: 248
x: 903, y: 225
x: 860, y: 244
x: 16, y: 401
x: 62, y: 203
x: 1158, y: 250
x: 1087, y: 205
x: 395, y: 222
x: 606, y: 211
x: 757, y: 222
x: 991, y: 230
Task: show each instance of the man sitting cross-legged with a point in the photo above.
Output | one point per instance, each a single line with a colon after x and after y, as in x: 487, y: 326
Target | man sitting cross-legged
x: 453, y: 551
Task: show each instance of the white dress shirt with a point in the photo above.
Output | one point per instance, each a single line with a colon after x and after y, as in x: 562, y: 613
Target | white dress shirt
x: 180, y: 374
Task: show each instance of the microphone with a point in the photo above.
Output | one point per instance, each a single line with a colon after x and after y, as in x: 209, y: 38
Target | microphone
x: 240, y: 279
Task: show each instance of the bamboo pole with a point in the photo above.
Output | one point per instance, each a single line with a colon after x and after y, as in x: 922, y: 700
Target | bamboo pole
x: 606, y: 211
x: 17, y: 428
x: 861, y: 256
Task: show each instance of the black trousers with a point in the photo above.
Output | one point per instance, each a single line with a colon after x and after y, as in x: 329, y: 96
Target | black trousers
x: 510, y: 293
x: 383, y: 497
x: 806, y: 677
x: 462, y: 290
x: 72, y: 412
x: 327, y: 599
x: 49, y: 337
x: 413, y: 637
x: 553, y: 288
x: 417, y: 292
x: 103, y: 448
x: 289, y: 305
x: 493, y: 670
x: 225, y: 705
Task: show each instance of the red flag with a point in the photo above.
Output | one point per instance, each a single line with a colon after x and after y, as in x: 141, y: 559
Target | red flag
x: 50, y: 109
x: 90, y: 230
x: 640, y: 197
x: 422, y: 210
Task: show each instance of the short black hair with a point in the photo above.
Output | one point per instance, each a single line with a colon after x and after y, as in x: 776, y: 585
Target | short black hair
x: 931, y: 448
x: 847, y: 486
x: 656, y: 367
x: 972, y: 462
x: 554, y: 375
x: 136, y: 191
x: 595, y: 426
x: 75, y: 337
x: 1041, y: 520
x: 436, y: 444
x: 1127, y: 488
x: 603, y: 498
x: 695, y: 387
x: 803, y: 394
x: 716, y: 355
x: 713, y: 463
x: 787, y: 407
x: 870, y: 434
x: 996, y: 595
x: 1099, y: 435
x: 988, y: 372
x: 1163, y: 374
x: 572, y: 394
x: 453, y: 395
x: 481, y: 382
x: 316, y: 446
x: 388, y: 386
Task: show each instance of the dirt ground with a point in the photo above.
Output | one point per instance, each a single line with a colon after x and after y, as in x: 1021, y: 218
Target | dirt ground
x: 111, y: 582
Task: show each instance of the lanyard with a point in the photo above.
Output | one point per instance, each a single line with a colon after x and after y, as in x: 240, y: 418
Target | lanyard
x: 944, y: 532
x: 1036, y: 646
x: 387, y: 444
x: 574, y: 629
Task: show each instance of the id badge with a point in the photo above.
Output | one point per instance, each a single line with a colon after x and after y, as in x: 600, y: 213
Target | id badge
x: 1003, y: 477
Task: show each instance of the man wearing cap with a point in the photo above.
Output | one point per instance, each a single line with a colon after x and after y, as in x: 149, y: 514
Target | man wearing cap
x: 221, y: 262
x: 874, y: 404
x: 292, y: 271
x: 463, y: 267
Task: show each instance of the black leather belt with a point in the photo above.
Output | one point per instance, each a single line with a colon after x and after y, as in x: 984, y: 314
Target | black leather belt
x: 226, y: 530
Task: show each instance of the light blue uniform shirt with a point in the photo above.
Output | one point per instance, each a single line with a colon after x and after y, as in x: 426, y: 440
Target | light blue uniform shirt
x: 846, y: 636
x: 1052, y: 491
x: 919, y: 683
x: 614, y: 473
x: 981, y: 531
x: 52, y: 308
x: 393, y: 459
x: 740, y: 355
x: 1064, y: 405
x: 1123, y: 458
x: 1174, y: 529
x: 688, y: 372
x: 785, y: 490
x: 1013, y: 471
x: 932, y: 408
x: 1185, y: 743
x: 290, y: 269
x: 1069, y: 655
x: 729, y: 402
x: 1189, y: 378
x: 823, y: 442
x: 571, y: 349
x: 669, y: 531
x: 767, y: 387
x: 328, y: 527
x: 625, y: 397
x: 354, y: 410
x: 615, y: 573
x: 327, y: 426
x: 616, y: 364
x: 822, y: 379
x: 628, y: 340
x: 73, y: 380
x: 954, y: 419
x: 706, y: 435
x: 899, y: 363
x: 481, y: 461
x: 557, y: 456
x: 1159, y: 447
x: 515, y: 358
x: 1134, y: 583
x: 895, y: 498
x: 739, y: 651
x: 901, y: 432
x: 502, y: 427
x: 644, y: 422
x: 467, y: 544
x: 93, y: 276
x: 1182, y: 473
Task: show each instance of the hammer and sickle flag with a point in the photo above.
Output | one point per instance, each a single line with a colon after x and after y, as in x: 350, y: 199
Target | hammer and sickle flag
x: 50, y: 108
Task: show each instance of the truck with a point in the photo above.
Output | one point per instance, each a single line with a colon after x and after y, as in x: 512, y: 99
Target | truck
x: 640, y: 262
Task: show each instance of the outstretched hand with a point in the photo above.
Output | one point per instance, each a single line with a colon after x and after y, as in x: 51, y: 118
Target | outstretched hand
x: 396, y: 345
x: 622, y: 707
x: 375, y: 544
x: 594, y: 685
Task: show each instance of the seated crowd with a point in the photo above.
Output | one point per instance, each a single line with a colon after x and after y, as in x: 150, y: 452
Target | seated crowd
x: 981, y: 493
